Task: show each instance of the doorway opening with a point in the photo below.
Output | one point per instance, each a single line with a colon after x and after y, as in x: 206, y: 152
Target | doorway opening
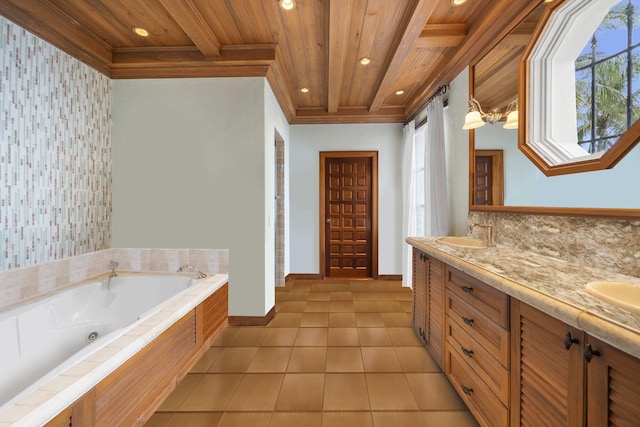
x: 279, y: 211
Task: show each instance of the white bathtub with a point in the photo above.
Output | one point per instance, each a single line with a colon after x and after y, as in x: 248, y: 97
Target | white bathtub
x: 45, y: 338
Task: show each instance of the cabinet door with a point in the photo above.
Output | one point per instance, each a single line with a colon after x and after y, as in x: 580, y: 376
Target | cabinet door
x: 435, y: 309
x: 613, y: 391
x: 420, y: 264
x: 547, y: 370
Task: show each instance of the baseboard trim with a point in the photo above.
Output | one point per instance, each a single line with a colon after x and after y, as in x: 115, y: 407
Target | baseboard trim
x: 390, y: 277
x: 253, y: 320
x: 302, y: 277
x: 317, y: 277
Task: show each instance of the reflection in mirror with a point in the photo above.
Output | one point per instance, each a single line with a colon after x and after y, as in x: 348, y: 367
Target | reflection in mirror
x: 582, y: 86
x: 607, y: 80
x: 524, y: 184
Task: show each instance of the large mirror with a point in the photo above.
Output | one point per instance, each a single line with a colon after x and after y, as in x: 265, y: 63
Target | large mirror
x: 505, y: 178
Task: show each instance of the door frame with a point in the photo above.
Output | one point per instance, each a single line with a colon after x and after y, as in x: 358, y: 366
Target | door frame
x: 373, y: 155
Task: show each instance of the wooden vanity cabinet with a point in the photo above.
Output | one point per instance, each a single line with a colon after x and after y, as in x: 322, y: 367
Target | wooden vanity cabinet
x: 477, y: 351
x: 554, y: 384
x: 428, y: 303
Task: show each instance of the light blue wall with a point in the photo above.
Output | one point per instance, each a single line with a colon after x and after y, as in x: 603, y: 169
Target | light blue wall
x: 307, y: 141
x: 190, y: 167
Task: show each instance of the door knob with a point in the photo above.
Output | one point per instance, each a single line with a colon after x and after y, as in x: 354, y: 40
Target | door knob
x: 328, y: 220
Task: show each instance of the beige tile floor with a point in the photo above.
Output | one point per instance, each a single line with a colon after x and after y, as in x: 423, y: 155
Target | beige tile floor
x: 337, y: 353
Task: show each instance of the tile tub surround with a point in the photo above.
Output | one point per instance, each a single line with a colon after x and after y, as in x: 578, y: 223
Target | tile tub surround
x: 55, y: 152
x: 551, y: 285
x: 37, y: 407
x: 609, y: 244
x: 23, y: 284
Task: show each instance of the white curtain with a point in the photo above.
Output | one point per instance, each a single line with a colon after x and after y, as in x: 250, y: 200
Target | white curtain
x: 435, y: 174
x: 408, y: 200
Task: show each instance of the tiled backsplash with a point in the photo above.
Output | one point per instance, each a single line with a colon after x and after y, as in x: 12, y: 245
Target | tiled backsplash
x: 55, y: 153
x: 608, y: 244
x: 24, y: 283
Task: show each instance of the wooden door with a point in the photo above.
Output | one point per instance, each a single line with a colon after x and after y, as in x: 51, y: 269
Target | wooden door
x: 484, y: 180
x: 488, y: 179
x: 348, y: 214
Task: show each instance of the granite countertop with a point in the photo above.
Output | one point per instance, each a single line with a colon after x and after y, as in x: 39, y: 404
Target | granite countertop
x: 548, y: 284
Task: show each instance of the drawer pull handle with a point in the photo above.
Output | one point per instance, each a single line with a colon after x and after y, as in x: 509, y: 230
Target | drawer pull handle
x: 589, y: 352
x: 569, y: 340
x: 466, y: 390
x: 467, y: 289
x: 467, y: 321
x: 468, y: 353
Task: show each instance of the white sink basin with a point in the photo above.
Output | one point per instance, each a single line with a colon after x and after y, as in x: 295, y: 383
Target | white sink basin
x: 620, y: 294
x: 463, y: 242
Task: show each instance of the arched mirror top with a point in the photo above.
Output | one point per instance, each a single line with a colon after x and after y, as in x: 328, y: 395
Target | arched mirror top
x: 560, y: 103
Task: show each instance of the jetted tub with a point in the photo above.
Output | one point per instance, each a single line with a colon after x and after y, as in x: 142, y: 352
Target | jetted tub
x: 43, y: 339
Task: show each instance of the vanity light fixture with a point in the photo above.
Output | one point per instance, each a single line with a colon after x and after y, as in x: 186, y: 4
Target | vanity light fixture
x: 365, y: 60
x: 476, y: 118
x: 456, y: 3
x: 287, y: 4
x: 140, y: 31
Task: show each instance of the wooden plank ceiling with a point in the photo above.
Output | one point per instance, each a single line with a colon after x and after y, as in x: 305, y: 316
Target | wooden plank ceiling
x: 414, y: 46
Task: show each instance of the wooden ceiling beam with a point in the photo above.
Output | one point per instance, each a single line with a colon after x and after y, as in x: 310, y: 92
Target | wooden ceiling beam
x: 189, y: 18
x: 50, y: 23
x: 442, y: 35
x: 262, y: 54
x: 401, y: 48
x: 339, y: 19
x: 358, y: 114
x: 496, y: 23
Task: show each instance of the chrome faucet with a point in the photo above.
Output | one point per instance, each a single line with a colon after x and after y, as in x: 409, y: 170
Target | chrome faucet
x: 199, y: 273
x: 112, y: 266
x: 489, y: 229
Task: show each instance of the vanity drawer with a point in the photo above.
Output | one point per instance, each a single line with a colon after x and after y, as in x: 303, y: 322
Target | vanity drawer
x: 481, y: 361
x: 486, y: 407
x: 487, y: 333
x: 490, y: 301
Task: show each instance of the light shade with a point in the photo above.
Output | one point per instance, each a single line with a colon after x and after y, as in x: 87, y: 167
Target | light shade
x: 512, y: 120
x: 287, y: 4
x: 473, y: 120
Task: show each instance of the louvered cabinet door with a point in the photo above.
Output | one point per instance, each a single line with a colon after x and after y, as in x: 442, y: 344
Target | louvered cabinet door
x: 613, y: 387
x: 420, y: 264
x: 547, y: 370
x: 435, y: 310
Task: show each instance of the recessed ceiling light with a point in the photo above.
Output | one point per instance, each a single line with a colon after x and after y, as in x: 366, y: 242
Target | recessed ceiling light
x: 304, y: 89
x: 399, y: 92
x: 140, y: 31
x: 365, y: 60
x: 287, y: 4
x: 458, y: 2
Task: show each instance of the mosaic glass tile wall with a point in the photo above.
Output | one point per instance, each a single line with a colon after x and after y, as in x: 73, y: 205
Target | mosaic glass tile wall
x: 55, y: 152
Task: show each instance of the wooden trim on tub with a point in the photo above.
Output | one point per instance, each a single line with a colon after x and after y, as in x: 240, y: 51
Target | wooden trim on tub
x: 253, y: 320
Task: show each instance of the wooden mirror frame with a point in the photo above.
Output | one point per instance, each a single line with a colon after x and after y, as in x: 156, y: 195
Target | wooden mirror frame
x: 608, y: 160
